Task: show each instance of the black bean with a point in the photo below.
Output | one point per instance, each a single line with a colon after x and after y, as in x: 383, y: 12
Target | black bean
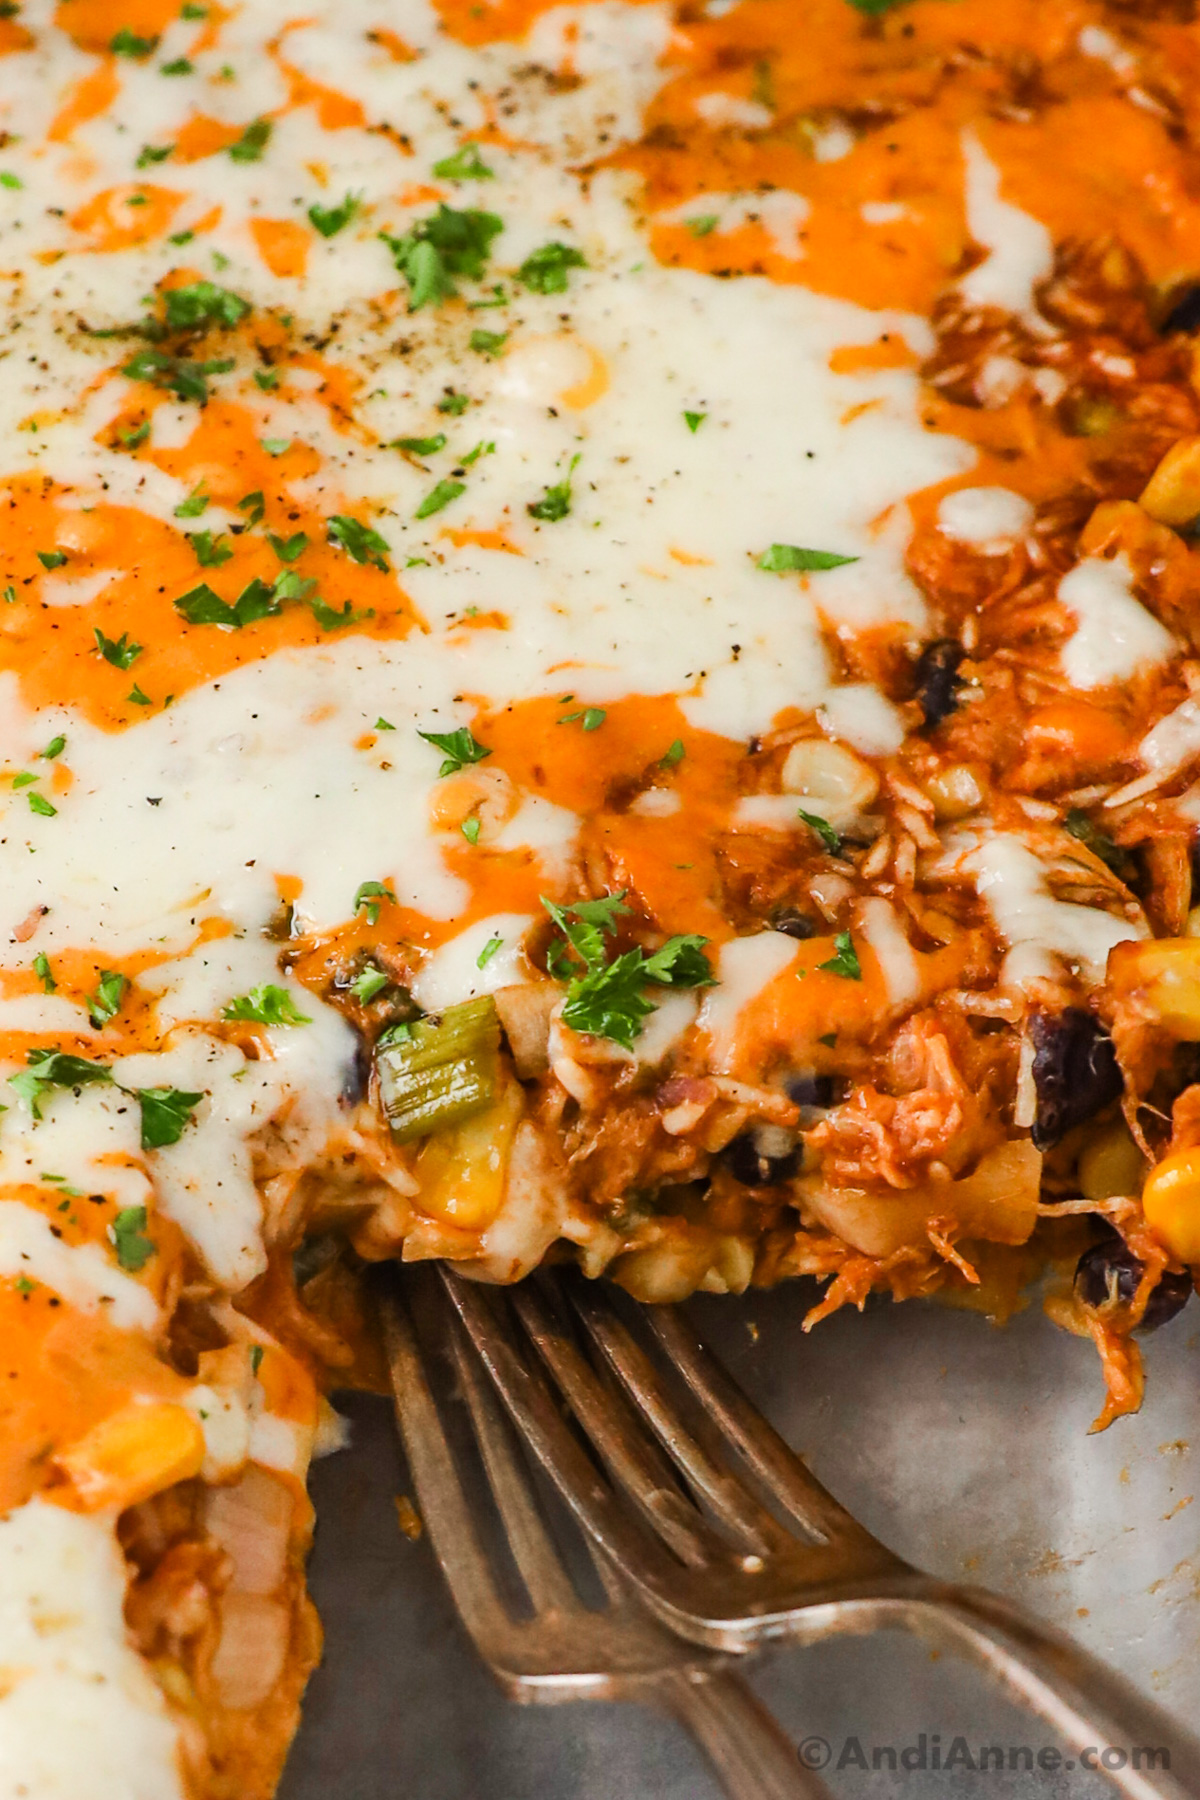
x: 936, y: 676
x: 747, y: 1164
x: 1108, y: 1275
x: 356, y: 1076
x: 810, y: 1090
x: 1075, y: 1072
x: 793, y: 923
x: 1185, y: 312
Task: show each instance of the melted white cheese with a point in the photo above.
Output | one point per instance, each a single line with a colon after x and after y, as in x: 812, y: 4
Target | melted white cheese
x: 1020, y: 249
x: 453, y: 972
x: 1037, y: 928
x: 884, y: 933
x: 991, y: 518
x: 80, y: 1717
x: 1173, y: 741
x: 1115, y: 635
x: 745, y: 966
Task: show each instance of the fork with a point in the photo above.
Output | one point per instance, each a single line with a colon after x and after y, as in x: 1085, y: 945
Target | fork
x: 566, y: 1650
x: 725, y: 1535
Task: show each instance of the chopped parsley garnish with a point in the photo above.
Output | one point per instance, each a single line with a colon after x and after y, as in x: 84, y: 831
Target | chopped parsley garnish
x: 105, y: 1003
x: 329, y: 618
x: 153, y: 153
x: 54, y: 748
x: 873, y: 8
x: 586, y: 924
x: 844, y: 961
x: 195, y: 504
x: 266, y: 379
x: 185, y: 379
x: 137, y: 698
x: 253, y: 141
x: 823, y: 829
x: 166, y: 1111
x: 382, y: 724
x: 608, y: 999
x: 422, y: 446
x: 369, y: 982
x: 459, y: 748
x: 203, y: 303
x: 470, y: 829
x: 266, y: 1004
x: 454, y: 404
x: 119, y: 651
x: 482, y: 448
x: 210, y: 551
x: 252, y: 505
x: 489, y: 950
x: 436, y: 249
x: 1098, y: 842
x: 24, y: 779
x: 44, y: 973
x: 201, y: 606
x: 54, y: 1068
x: 288, y: 549
x: 329, y: 220
x: 694, y: 420
x: 131, y: 437
x: 9, y: 180
x: 360, y: 542
x: 545, y: 270
x: 555, y: 503
x: 134, y: 1249
x: 781, y: 558
x: 438, y: 497
x: 487, y: 343
x: 702, y: 224
x: 368, y: 897
x: 25, y: 1287
x: 52, y: 559
x: 592, y: 717
x: 191, y: 10
x: 256, y: 1356
x: 466, y: 164
x: 180, y: 66
x: 674, y: 755
x: 127, y: 43
x: 39, y: 804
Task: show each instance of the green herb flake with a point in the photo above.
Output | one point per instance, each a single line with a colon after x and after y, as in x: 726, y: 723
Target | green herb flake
x: 266, y: 1004
x: 136, y: 697
x: 437, y: 248
x: 54, y: 1068
x: 253, y: 141
x: 361, y: 543
x: 25, y: 1287
x: 421, y: 446
x: 703, y: 224
x: 120, y: 652
x: 44, y: 973
x: 266, y: 379
x: 454, y: 404
x: 166, y: 1113
x: 594, y: 717
x: 382, y: 724
x: 694, y: 420
x: 368, y: 896
x: 105, y: 1003
x: 252, y: 505
x: 823, y: 829
x: 438, y: 497
x: 128, y: 43
x: 128, y: 1231
x: 195, y: 504
x: 288, y: 549
x: 470, y: 829
x: 210, y: 551
x: 545, y: 270
x: 489, y: 950
x: 329, y: 220
x: 368, y: 983
x: 203, y: 303
x: 487, y: 343
x: 844, y: 961
x: 52, y: 559
x: 185, y: 379
x: 256, y: 1356
x: 24, y: 779
x: 782, y: 558
x: 150, y: 154
x: 9, y: 180
x: 180, y: 66
x: 466, y: 164
x: 459, y: 748
x: 132, y: 436
x: 674, y: 755
x: 39, y: 804
x: 555, y: 503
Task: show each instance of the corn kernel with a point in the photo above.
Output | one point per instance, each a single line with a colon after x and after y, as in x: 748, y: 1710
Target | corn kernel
x: 830, y: 779
x: 1111, y: 1165
x: 1171, y: 1203
x: 955, y: 792
x: 1172, y: 494
x: 1165, y: 972
x: 132, y: 1454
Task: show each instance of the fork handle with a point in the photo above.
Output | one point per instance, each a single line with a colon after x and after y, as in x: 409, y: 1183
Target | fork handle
x: 743, y: 1741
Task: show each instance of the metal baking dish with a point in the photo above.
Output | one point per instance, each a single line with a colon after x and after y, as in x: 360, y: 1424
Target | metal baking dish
x: 963, y: 1446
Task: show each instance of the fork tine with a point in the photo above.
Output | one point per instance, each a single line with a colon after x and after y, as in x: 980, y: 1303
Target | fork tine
x: 630, y: 1455
x: 444, y: 1506
x: 538, y: 1418
x: 533, y: 1550
x: 728, y: 1496
x: 759, y: 1445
